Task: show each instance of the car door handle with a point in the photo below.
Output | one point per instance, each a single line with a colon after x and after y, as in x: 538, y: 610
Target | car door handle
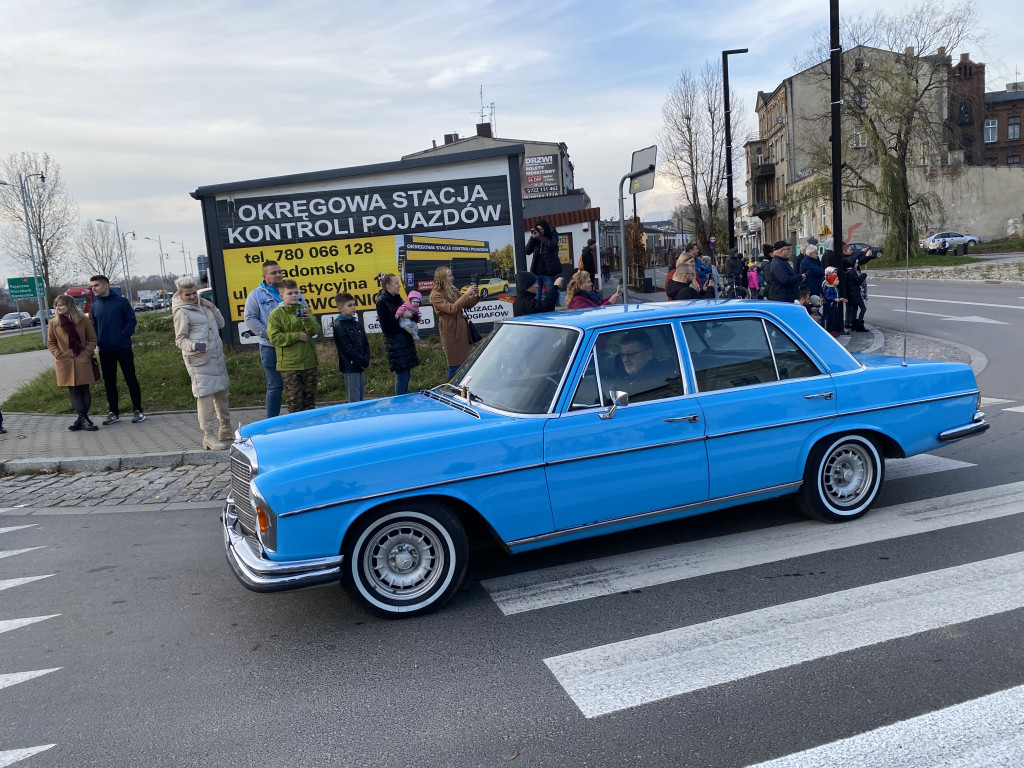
x: 693, y: 418
x: 825, y: 395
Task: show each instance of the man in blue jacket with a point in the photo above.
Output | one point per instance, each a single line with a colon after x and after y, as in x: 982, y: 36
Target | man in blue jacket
x: 114, y: 320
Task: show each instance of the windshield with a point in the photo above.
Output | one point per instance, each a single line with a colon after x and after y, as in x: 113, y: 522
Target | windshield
x: 12, y: 316
x: 518, y: 368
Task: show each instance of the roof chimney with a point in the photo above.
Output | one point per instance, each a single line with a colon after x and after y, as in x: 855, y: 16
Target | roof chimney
x: 484, y: 130
x: 451, y: 138
x: 964, y: 58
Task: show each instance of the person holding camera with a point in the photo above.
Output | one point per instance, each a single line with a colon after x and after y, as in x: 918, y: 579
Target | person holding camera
x: 197, y: 324
x: 545, y: 265
x: 291, y: 328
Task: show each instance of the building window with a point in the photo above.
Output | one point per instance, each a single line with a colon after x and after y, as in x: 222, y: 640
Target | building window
x: 824, y: 220
x: 859, y: 98
x: 1013, y: 159
x: 965, y: 117
x: 859, y: 139
x: 858, y: 65
x: 991, y: 131
x: 990, y: 161
x: 1012, y: 128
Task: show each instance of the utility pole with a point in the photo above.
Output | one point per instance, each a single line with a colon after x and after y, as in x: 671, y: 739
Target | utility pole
x: 836, y: 58
x: 728, y: 143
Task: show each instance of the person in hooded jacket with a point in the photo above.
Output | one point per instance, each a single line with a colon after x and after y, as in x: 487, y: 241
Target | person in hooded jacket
x: 810, y: 267
x: 545, y: 265
x: 834, y: 257
x: 399, y: 345
x: 526, y: 302
x: 197, y: 324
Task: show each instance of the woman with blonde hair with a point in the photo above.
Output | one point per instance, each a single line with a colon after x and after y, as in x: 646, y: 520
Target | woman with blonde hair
x: 197, y: 323
x: 452, y: 323
x: 71, y: 340
x: 580, y: 293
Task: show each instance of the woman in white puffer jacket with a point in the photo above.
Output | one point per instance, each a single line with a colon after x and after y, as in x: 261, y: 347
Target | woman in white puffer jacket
x: 197, y: 323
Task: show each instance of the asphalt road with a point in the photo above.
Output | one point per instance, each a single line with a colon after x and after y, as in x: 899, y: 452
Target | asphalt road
x: 716, y: 652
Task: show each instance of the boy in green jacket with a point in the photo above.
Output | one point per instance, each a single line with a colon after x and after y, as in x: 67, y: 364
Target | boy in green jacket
x: 291, y: 329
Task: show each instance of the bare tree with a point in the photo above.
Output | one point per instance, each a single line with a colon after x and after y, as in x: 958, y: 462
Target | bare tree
x: 692, y: 141
x: 99, y: 253
x: 53, y: 215
x: 895, y: 83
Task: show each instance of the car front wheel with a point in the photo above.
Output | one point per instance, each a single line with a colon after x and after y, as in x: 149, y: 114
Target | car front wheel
x: 483, y: 293
x: 842, y: 479
x: 407, y: 560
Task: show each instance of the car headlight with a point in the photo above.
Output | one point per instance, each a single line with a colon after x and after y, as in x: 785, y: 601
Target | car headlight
x: 266, y: 520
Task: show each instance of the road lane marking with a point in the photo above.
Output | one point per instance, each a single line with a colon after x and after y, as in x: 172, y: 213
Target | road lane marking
x: 922, y: 464
x: 1016, y: 409
x: 17, y: 527
x: 20, y: 677
x: 8, y: 583
x: 987, y: 401
x: 981, y: 732
x: 12, y: 756
x: 12, y: 552
x: 617, y: 676
x: 947, y: 301
x: 559, y: 585
x: 965, y: 319
x: 9, y: 624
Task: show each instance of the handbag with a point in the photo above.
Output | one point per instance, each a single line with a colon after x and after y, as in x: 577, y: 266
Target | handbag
x: 95, y: 369
x: 474, y: 333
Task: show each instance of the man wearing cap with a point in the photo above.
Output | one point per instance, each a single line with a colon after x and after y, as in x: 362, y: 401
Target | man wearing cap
x: 785, y: 282
x: 526, y: 302
x: 810, y: 267
x: 734, y: 270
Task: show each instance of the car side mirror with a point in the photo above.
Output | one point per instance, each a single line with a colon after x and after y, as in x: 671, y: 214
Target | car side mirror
x: 618, y: 398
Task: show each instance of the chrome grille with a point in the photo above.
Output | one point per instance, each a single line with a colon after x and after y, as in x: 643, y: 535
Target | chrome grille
x: 241, y: 474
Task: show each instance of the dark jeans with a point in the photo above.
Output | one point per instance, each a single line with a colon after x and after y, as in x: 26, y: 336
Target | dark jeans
x: 855, y: 312
x: 268, y: 356
x: 81, y: 398
x: 402, y: 381
x: 109, y: 360
x: 452, y: 370
x: 546, y: 283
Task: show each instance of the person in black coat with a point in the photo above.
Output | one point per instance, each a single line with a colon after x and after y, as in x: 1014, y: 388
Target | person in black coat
x: 352, y: 345
x: 526, y: 302
x: 856, y: 307
x: 588, y: 260
x: 543, y: 244
x: 784, y: 284
x: 400, y: 346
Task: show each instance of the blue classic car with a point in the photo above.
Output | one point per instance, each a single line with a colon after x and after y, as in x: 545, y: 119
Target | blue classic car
x: 751, y: 398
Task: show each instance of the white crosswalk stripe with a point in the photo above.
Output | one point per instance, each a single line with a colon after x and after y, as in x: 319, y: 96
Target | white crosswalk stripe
x: 605, y: 576
x: 988, y: 731
x: 987, y: 401
x: 12, y: 756
x: 8, y: 583
x: 9, y: 624
x: 12, y: 552
x: 620, y: 675
x: 14, y: 678
x: 1015, y: 409
x: 17, y: 528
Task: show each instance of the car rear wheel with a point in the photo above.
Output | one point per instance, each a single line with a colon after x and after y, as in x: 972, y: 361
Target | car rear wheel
x: 407, y: 560
x: 842, y: 479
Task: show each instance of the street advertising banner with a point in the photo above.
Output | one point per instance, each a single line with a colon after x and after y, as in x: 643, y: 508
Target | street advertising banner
x: 541, y: 176
x: 344, y: 233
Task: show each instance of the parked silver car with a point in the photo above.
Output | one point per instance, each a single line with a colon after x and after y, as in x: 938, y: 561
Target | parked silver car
x: 18, y: 320
x: 933, y: 243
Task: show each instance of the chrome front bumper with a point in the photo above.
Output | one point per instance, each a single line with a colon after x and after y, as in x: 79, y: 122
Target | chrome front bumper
x: 245, y: 555
x: 976, y: 427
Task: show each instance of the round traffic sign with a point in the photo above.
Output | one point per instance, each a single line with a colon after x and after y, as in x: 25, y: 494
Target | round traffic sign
x: 712, y: 239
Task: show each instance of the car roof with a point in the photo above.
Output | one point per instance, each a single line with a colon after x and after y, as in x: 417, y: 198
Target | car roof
x: 662, y: 310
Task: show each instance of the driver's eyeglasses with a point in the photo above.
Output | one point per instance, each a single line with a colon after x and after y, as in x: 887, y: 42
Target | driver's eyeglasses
x: 630, y: 355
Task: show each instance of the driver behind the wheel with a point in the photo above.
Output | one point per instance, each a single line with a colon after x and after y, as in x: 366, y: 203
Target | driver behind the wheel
x: 642, y: 376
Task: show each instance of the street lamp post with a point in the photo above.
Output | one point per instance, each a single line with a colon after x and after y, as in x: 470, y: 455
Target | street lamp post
x: 728, y: 143
x: 184, y: 258
x: 26, y: 207
x: 163, y: 279
x: 123, y: 245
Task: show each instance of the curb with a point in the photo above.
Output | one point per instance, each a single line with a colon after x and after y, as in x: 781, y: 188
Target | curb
x: 114, y: 463
x: 185, y: 506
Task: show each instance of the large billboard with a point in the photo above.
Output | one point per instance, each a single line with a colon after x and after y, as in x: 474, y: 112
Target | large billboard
x: 338, y: 234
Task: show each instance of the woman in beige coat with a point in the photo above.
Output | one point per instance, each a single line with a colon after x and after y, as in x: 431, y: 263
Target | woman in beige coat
x: 71, y: 339
x: 452, y: 323
x: 197, y: 323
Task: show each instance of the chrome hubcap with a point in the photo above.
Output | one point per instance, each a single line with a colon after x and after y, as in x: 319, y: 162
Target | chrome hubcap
x: 404, y: 560
x: 848, y: 475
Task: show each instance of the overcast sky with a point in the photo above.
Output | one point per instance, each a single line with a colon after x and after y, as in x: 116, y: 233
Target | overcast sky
x: 141, y: 102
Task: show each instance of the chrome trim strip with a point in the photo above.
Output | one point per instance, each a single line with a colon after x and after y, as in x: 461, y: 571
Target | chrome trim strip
x: 976, y: 427
x: 262, y: 575
x: 621, y: 451
x: 411, y: 488
x: 648, y: 515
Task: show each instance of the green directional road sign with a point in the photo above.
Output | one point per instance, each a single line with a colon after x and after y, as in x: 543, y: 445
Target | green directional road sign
x: 24, y: 288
